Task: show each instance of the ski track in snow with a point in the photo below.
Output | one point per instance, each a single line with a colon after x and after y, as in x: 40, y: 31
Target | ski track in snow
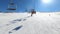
x: 15, y: 21
x: 18, y: 20
x: 15, y: 29
x: 41, y: 23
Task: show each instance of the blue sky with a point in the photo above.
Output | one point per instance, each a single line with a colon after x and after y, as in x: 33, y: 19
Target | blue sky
x: 22, y: 5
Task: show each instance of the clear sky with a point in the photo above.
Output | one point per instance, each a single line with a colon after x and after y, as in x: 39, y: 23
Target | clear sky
x: 38, y: 5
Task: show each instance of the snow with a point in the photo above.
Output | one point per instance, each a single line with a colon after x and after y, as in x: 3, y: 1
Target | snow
x: 39, y: 23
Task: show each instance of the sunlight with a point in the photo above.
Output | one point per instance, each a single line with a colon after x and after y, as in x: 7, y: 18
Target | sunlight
x: 46, y: 1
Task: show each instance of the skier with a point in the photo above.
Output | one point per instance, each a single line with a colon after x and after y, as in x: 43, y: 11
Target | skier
x: 33, y: 12
x: 49, y: 15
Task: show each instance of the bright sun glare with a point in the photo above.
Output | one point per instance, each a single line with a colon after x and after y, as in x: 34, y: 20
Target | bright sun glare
x: 46, y: 1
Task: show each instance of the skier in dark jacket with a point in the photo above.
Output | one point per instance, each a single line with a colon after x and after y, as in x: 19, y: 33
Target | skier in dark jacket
x: 33, y: 12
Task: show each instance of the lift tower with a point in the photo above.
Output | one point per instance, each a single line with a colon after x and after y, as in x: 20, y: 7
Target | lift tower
x: 11, y: 6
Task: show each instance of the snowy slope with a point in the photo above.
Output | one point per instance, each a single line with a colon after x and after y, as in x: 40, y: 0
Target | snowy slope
x: 23, y: 23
